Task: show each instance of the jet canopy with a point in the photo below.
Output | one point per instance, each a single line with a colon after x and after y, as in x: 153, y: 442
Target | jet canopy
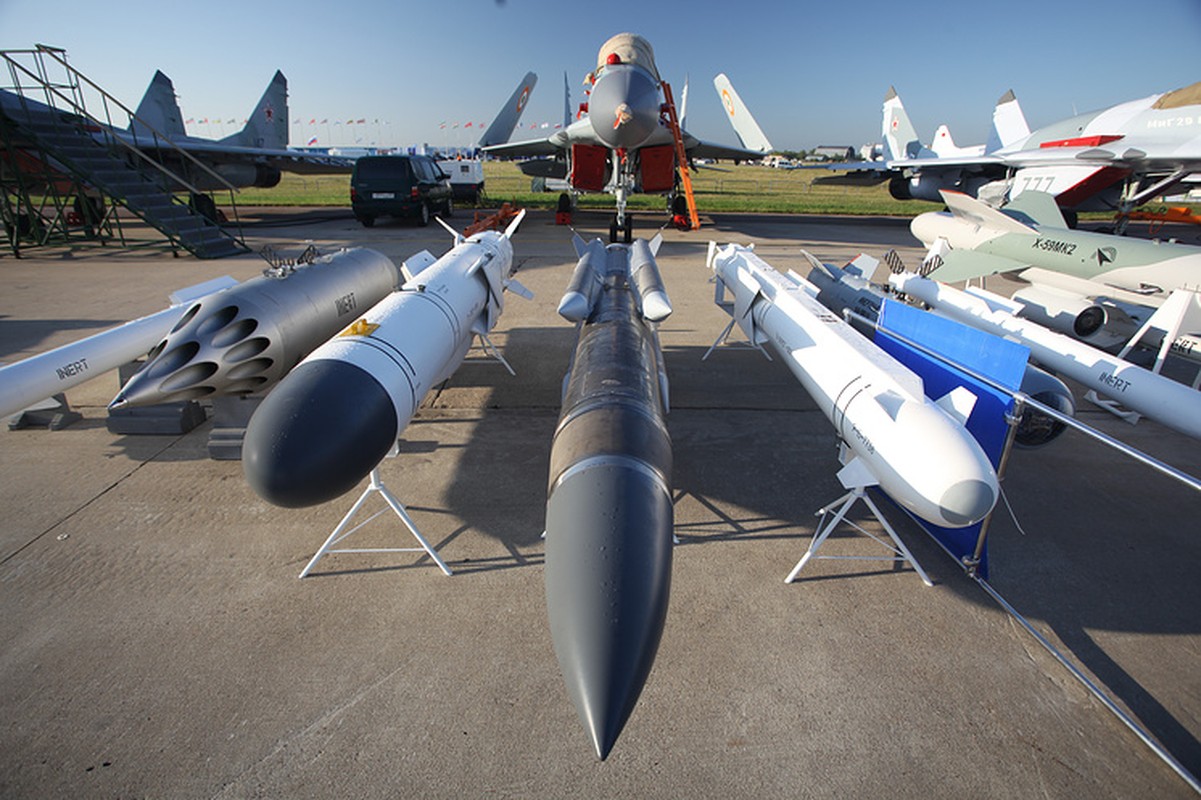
x: 630, y: 48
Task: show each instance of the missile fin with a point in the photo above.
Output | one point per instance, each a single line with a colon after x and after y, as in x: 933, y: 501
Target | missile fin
x: 414, y: 264
x: 191, y: 293
x: 579, y: 244
x: 964, y: 265
x: 458, y: 237
x: 512, y: 226
x: 969, y: 208
x: 856, y: 475
x: 959, y: 403
x: 515, y: 286
x: 655, y: 243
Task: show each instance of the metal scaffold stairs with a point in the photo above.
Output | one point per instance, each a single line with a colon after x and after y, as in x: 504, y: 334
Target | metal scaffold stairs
x: 673, y: 124
x: 63, y: 165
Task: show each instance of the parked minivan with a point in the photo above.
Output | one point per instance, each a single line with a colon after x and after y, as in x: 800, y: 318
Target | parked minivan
x: 403, y: 186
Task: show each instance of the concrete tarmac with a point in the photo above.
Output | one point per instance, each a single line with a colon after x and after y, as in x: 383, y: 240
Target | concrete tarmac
x: 155, y: 639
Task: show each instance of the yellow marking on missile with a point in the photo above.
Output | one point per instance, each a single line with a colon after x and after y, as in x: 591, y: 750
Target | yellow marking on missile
x: 360, y: 327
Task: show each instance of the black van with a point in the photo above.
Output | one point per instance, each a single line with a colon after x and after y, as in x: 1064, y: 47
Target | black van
x: 403, y: 186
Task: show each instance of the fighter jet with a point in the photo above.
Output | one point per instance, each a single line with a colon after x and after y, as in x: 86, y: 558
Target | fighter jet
x: 1113, y: 159
x: 623, y: 144
x: 255, y: 156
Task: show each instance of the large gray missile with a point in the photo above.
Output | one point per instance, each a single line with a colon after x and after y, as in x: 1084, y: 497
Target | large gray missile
x: 245, y: 339
x: 333, y: 418
x: 608, y: 511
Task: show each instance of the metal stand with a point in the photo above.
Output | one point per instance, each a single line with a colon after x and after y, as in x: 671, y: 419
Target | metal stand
x: 723, y: 339
x: 824, y: 529
x: 337, y: 536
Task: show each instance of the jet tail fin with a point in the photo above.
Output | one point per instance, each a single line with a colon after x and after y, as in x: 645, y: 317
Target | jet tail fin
x: 268, y: 124
x: 510, y: 113
x: 1008, y: 123
x: 749, y: 133
x: 159, y: 110
x: 1037, y: 207
x: 899, y: 135
x: 944, y: 143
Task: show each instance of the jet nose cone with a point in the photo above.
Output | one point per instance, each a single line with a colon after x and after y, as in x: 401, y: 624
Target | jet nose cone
x: 324, y: 427
x: 967, y: 502
x: 624, y: 106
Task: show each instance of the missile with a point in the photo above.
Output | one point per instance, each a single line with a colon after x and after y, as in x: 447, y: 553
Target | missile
x: 334, y: 417
x: 917, y: 451
x: 243, y: 340
x: 1162, y: 399
x: 36, y: 378
x: 609, y: 510
x: 842, y: 289
x: 1093, y: 286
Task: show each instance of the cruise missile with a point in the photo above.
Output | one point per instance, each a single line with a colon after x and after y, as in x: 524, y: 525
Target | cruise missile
x: 845, y: 288
x: 36, y: 378
x: 918, y: 451
x: 1162, y: 399
x: 334, y: 417
x: 1093, y: 286
x: 609, y: 511
x: 243, y: 340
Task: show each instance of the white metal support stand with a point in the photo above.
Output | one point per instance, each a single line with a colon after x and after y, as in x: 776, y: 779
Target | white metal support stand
x: 897, y: 547
x: 338, y: 535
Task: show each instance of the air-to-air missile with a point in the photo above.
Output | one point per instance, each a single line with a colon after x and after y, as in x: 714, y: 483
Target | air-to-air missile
x: 917, y: 450
x: 36, y: 378
x: 243, y: 340
x: 1093, y: 286
x: 609, y: 508
x: 1146, y: 392
x: 846, y: 288
x: 334, y: 417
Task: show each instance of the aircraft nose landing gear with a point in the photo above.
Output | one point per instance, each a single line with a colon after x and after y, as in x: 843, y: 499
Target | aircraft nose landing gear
x: 621, y: 229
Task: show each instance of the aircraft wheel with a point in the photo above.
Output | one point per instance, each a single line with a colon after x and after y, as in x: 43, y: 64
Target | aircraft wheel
x: 613, y: 230
x: 368, y: 222
x: 423, y: 215
x: 628, y: 229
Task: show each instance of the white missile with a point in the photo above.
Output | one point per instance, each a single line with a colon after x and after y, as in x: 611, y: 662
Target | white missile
x: 917, y: 450
x: 334, y: 417
x: 36, y: 378
x: 1162, y: 399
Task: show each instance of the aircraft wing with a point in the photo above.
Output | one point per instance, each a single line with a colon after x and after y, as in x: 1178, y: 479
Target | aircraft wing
x: 703, y: 149
x: 532, y: 147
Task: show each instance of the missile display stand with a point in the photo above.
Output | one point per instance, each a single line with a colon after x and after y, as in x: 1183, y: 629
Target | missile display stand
x: 900, y: 553
x: 340, y: 533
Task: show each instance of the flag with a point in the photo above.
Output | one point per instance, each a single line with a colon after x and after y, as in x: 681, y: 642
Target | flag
x: 313, y: 121
x: 312, y: 141
x: 361, y: 121
x: 442, y: 126
x: 325, y: 122
x: 190, y: 120
x: 468, y: 125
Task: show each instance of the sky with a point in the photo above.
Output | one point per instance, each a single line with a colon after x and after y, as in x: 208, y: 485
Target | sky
x: 812, y: 74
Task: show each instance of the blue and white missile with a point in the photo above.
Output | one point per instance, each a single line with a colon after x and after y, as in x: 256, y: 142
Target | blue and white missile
x: 842, y: 289
x: 334, y: 417
x: 36, y: 378
x: 918, y: 451
x: 243, y: 340
x: 609, y: 510
x: 1141, y: 390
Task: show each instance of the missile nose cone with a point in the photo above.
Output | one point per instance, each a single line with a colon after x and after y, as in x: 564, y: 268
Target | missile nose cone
x: 967, y: 502
x: 574, y: 307
x: 608, y: 578
x: 656, y: 306
x: 323, y: 428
